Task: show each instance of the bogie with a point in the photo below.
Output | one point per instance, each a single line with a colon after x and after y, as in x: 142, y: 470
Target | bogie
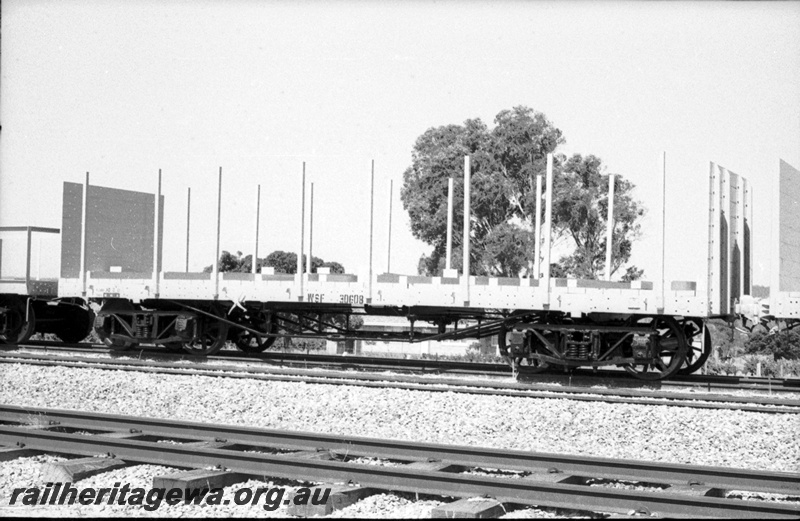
x: 647, y: 347
x: 121, y: 325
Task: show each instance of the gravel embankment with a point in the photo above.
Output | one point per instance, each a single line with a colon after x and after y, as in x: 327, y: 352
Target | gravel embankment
x: 656, y: 433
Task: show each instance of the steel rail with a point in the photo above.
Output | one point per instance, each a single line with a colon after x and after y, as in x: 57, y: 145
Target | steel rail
x: 578, y: 377
x: 717, y: 477
x: 692, y: 400
x: 527, y: 491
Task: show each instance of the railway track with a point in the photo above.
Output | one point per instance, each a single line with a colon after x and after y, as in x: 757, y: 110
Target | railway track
x: 553, y: 480
x: 761, y: 403
x: 577, y: 378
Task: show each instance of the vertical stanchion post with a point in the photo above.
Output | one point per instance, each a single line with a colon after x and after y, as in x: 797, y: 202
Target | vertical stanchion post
x: 548, y: 227
x: 747, y: 250
x: 537, y: 251
x: 449, y: 251
x: 737, y: 236
x: 188, y: 215
x: 28, y: 259
x: 660, y: 304
x: 371, y: 215
x: 83, y: 234
x: 258, y: 221
x: 389, y: 252
x: 724, y: 240
x: 610, y: 225
x: 156, y: 239
x: 38, y: 258
x: 310, y: 261
x: 219, y: 220
x: 466, y: 228
x: 302, y: 233
x: 713, y: 288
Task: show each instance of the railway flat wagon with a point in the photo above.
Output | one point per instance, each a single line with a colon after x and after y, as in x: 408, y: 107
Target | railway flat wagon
x: 651, y: 329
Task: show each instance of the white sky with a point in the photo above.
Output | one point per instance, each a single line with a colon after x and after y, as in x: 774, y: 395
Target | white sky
x: 121, y: 89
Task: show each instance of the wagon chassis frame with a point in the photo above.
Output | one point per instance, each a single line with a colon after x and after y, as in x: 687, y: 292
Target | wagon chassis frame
x: 309, y: 321
x: 315, y: 321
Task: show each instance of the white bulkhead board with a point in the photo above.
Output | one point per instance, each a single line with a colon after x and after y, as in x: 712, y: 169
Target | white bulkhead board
x: 785, y: 268
x: 730, y: 218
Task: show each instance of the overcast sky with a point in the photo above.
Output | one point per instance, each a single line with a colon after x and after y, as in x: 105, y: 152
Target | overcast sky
x: 121, y: 89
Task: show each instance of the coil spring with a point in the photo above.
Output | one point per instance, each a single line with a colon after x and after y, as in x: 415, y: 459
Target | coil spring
x: 579, y: 351
x: 142, y: 331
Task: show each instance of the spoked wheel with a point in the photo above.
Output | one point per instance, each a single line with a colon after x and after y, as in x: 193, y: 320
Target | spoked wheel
x: 667, y: 344
x: 519, y: 363
x: 18, y: 330
x: 211, y: 340
x: 252, y: 343
x: 699, y: 339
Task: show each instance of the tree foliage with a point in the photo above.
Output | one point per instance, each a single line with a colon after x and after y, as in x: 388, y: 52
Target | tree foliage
x: 580, y: 212
x: 781, y: 345
x: 282, y: 261
x: 504, y: 163
x: 286, y: 262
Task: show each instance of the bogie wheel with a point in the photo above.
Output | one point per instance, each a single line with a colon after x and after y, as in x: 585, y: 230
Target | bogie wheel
x: 78, y: 326
x: 699, y: 348
x: 252, y: 343
x: 211, y: 340
x: 19, y: 329
x: 71, y: 335
x: 520, y: 363
x: 116, y: 344
x: 667, y: 342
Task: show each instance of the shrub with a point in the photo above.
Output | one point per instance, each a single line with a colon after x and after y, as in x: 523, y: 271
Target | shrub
x: 791, y: 368
x: 471, y: 355
x: 721, y: 367
x: 728, y: 342
x: 781, y: 345
x: 769, y: 366
x: 751, y: 365
x: 757, y: 343
x: 770, y: 369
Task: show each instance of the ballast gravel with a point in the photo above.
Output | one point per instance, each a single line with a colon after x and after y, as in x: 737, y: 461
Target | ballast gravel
x: 26, y: 473
x: 726, y: 438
